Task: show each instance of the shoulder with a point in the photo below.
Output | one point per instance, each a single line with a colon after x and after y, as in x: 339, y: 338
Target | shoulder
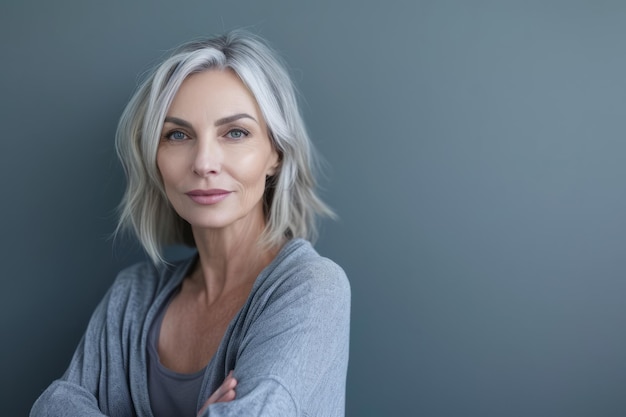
x: 146, y: 273
x: 141, y: 283
x: 299, y: 270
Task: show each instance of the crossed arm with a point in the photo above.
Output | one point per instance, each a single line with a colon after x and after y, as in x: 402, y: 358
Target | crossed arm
x: 292, y: 354
x: 225, y: 393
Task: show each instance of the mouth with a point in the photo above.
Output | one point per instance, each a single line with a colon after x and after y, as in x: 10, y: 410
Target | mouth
x: 208, y: 197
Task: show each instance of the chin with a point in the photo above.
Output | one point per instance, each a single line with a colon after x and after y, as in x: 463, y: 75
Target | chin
x: 207, y: 224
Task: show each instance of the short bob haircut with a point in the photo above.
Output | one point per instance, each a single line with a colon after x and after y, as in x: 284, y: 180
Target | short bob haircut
x: 291, y: 205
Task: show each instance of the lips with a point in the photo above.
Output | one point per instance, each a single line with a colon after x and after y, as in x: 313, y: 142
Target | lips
x: 208, y: 197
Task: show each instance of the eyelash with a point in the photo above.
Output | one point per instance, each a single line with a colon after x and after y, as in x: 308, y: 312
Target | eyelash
x: 169, y: 135
x: 244, y: 134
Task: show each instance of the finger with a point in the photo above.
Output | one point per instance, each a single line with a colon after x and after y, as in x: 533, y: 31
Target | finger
x: 225, y: 392
x: 229, y: 383
x: 218, y: 397
x: 226, y: 396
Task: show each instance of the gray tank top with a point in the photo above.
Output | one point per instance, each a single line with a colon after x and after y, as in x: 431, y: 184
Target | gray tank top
x: 171, y: 393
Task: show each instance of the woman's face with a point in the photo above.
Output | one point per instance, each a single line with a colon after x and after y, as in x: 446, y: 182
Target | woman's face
x: 215, y: 153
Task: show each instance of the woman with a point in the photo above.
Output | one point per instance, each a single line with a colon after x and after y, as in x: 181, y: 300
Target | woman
x: 256, y: 323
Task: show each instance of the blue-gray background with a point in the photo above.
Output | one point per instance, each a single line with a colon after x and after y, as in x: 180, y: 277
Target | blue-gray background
x: 475, y: 155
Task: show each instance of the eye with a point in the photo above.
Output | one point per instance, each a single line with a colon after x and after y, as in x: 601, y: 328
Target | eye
x: 237, y: 133
x: 176, y: 135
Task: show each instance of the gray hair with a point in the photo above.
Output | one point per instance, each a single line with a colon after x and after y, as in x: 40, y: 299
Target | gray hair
x: 290, y: 201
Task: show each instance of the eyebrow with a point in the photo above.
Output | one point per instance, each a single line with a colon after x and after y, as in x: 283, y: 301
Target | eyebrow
x: 230, y: 119
x: 179, y: 122
x: 219, y: 122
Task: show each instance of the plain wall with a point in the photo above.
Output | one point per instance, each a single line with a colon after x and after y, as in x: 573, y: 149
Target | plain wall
x: 475, y: 154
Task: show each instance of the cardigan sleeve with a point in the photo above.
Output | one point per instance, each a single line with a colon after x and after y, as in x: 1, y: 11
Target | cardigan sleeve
x: 75, y: 394
x: 293, y: 358
x: 98, y: 380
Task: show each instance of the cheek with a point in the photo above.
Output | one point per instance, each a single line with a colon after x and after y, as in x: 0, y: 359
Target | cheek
x: 256, y: 168
x: 162, y: 169
x: 159, y: 164
x: 167, y: 166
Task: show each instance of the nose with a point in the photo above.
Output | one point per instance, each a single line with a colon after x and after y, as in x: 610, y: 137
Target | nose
x: 208, y: 157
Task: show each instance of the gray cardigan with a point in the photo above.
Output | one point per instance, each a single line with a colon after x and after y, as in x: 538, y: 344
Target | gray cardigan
x: 288, y: 345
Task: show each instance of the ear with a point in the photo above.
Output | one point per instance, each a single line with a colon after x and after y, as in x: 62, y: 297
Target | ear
x: 273, y: 168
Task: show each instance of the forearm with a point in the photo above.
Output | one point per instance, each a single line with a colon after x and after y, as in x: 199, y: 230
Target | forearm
x: 265, y: 397
x: 64, y: 399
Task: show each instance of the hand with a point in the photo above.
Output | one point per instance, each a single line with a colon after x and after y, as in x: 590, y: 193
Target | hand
x: 225, y: 393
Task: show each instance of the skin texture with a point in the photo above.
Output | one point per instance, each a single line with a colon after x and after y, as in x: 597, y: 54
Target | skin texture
x: 234, y: 156
x: 214, y: 157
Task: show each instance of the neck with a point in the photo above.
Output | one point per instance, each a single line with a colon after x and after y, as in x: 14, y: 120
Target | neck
x: 229, y: 259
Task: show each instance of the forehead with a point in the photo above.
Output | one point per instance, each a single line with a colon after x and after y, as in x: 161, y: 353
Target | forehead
x: 214, y: 93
